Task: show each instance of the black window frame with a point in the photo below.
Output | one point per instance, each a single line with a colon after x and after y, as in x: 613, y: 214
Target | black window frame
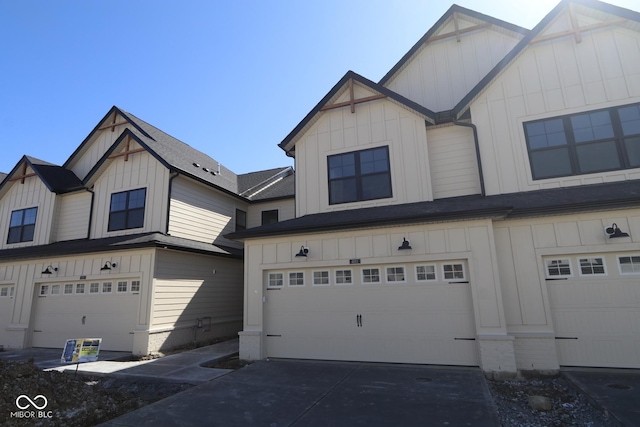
x: 573, y: 144
x: 359, y: 176
x: 269, y: 216
x: 130, y: 213
x: 24, y: 232
x: 241, y: 220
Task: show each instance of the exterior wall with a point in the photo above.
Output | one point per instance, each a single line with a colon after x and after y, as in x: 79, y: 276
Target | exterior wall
x: 548, y: 79
x: 196, y: 298
x: 286, y: 210
x: 72, y: 216
x: 33, y: 193
x: 26, y: 276
x: 100, y: 142
x: 444, y: 71
x: 141, y: 170
x: 471, y: 241
x: 454, y: 166
x: 374, y: 124
x: 201, y: 213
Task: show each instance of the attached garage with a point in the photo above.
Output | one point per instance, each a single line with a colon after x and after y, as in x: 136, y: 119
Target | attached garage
x: 595, y: 306
x: 400, y: 313
x: 105, y: 309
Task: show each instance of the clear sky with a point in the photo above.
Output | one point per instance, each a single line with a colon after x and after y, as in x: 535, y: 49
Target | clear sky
x: 230, y: 78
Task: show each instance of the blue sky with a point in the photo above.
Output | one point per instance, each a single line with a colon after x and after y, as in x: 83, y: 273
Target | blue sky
x: 230, y: 78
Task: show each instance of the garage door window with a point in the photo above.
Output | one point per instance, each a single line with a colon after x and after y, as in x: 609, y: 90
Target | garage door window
x: 425, y: 273
x: 344, y: 277
x: 453, y: 272
x: 68, y: 288
x: 320, y: 278
x: 135, y: 286
x: 395, y: 275
x: 558, y: 268
x: 106, y: 287
x: 122, y: 286
x: 80, y: 288
x: 296, y: 278
x: 44, y: 290
x: 55, y: 289
x: 592, y: 267
x: 276, y: 280
x: 6, y: 291
x: 94, y: 288
x: 370, y: 275
x: 629, y: 264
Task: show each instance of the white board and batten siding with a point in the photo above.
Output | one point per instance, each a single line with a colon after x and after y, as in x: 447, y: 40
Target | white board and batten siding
x: 201, y: 213
x: 548, y: 79
x: 72, y: 216
x: 94, y: 149
x: 441, y: 73
x: 374, y: 124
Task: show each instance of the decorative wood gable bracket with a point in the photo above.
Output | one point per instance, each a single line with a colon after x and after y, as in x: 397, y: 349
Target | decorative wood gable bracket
x: 24, y: 174
x: 352, y: 100
x: 127, y: 151
x: 457, y: 32
x: 576, y: 30
x: 113, y: 124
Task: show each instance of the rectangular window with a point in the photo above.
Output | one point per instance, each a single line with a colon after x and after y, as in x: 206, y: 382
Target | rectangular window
x: 320, y: 278
x: 269, y: 217
x: 106, y: 287
x: 344, y: 277
x: 127, y: 210
x: 276, y: 280
x: 94, y: 288
x: 590, y: 142
x: 122, y: 286
x: 296, y: 278
x: 44, y: 290
x: 359, y: 175
x: 80, y: 288
x: 453, y: 272
x: 371, y: 275
x: 55, y: 289
x: 558, y: 268
x: 592, y: 266
x: 4, y: 291
x: 68, y: 288
x: 22, y: 225
x: 425, y: 273
x: 629, y: 264
x: 241, y: 220
x: 135, y: 286
x: 395, y: 274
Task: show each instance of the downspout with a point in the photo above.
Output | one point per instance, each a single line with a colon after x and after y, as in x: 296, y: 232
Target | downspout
x: 93, y: 196
x: 166, y: 229
x: 477, y: 145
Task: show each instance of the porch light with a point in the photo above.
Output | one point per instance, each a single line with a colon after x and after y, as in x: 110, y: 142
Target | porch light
x: 405, y: 245
x: 108, y: 266
x: 49, y: 269
x: 303, y: 252
x: 614, y: 231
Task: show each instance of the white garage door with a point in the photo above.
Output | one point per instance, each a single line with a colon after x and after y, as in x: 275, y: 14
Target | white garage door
x: 595, y: 305
x: 397, y: 313
x: 106, y: 310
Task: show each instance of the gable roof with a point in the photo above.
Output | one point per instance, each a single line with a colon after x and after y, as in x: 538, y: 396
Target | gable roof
x: 438, y: 25
x: 267, y: 185
x: 288, y: 144
x: 56, y: 178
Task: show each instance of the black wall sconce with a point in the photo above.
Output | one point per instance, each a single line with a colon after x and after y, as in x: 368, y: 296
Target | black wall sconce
x: 49, y: 270
x: 108, y: 266
x: 405, y: 245
x: 614, y: 231
x: 303, y: 252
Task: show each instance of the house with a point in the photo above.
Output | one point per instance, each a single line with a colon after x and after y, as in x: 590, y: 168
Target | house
x: 478, y: 206
x: 125, y: 241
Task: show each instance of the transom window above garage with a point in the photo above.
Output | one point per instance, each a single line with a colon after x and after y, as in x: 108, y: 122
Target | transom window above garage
x: 594, y: 266
x: 321, y: 278
x: 425, y: 273
x: 296, y: 278
x: 558, y: 268
x: 629, y: 264
x: 343, y: 277
x: 67, y: 289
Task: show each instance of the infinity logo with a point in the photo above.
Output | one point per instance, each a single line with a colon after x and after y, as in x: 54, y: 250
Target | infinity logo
x: 31, y: 402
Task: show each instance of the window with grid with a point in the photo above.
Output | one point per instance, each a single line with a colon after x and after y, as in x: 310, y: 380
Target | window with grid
x: 320, y: 278
x: 425, y: 273
x: 359, y: 175
x: 80, y: 288
x: 122, y: 286
x: 68, y: 288
x: 371, y: 275
x: 395, y: 274
x: 94, y: 288
x: 592, y: 266
x: 127, y: 209
x: 135, y: 286
x: 629, y: 264
x: 557, y: 268
x: 6, y: 291
x: 343, y: 277
x: 296, y: 278
x: 596, y: 141
x: 22, y: 225
x: 453, y: 272
x: 55, y: 289
x: 106, y: 287
x: 44, y: 290
x: 275, y: 280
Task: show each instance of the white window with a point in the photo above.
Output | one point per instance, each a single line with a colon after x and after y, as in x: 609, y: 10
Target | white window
x: 80, y: 288
x: 122, y: 286
x: 395, y: 274
x: 629, y: 264
x: 94, y: 288
x: 320, y: 278
x: 135, y: 286
x: 344, y: 277
x: 68, y: 288
x: 106, y: 287
x: 276, y: 280
x: 425, y: 273
x: 592, y: 266
x: 55, y: 289
x: 453, y: 272
x: 44, y: 290
x: 371, y: 275
x: 558, y: 268
x: 296, y: 278
x: 6, y: 291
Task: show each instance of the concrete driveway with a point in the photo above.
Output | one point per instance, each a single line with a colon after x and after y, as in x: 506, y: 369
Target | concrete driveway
x: 309, y: 393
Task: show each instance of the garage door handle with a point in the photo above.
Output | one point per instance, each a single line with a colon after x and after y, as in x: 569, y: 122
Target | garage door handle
x: 566, y: 338
x: 37, y: 330
x: 359, y: 320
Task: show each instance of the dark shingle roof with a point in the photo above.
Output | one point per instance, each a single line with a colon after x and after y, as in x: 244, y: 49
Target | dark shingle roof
x: 282, y: 189
x: 514, y: 205
x: 267, y: 185
x: 56, y: 178
x: 250, y: 180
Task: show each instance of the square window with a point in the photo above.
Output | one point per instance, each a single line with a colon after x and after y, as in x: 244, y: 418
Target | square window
x: 269, y: 217
x: 359, y: 175
x: 425, y: 273
x: 558, y: 268
x: 44, y: 290
x: 296, y: 278
x: 106, y: 287
x: 343, y: 277
x: 453, y: 272
x: 122, y: 286
x: 395, y: 274
x: 135, y: 286
x: 592, y: 266
x: 320, y: 278
x: 127, y: 210
x: 94, y: 288
x: 80, y: 288
x: 68, y: 288
x: 55, y: 289
x: 629, y: 264
x: 371, y: 275
x: 276, y: 280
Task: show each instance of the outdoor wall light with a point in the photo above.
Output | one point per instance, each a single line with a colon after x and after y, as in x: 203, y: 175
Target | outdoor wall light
x: 303, y: 252
x: 405, y: 245
x: 108, y: 266
x: 614, y: 231
x: 50, y: 269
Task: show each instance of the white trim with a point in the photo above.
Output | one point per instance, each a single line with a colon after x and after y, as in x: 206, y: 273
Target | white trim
x: 370, y: 268
x: 404, y: 274
x: 633, y: 265
x: 435, y: 272
x: 313, y: 278
x: 588, y: 258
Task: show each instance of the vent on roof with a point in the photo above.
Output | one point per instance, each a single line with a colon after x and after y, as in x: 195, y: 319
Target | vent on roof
x: 196, y: 164
x: 206, y: 169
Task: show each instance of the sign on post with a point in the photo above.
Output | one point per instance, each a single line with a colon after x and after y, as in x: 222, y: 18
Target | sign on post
x: 81, y: 350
